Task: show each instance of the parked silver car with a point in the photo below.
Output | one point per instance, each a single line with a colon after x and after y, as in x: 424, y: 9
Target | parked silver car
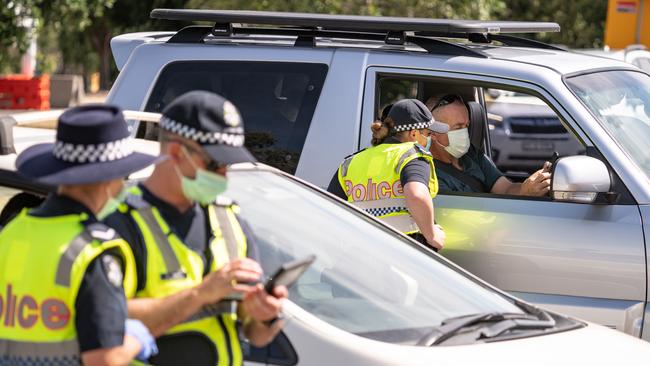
x: 525, y: 132
x: 310, y: 91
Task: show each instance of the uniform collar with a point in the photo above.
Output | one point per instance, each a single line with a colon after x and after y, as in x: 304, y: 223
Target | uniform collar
x: 58, y: 205
x: 392, y: 140
x: 163, y: 206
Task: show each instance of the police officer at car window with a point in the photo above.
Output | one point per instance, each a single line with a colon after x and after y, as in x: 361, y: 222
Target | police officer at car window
x: 395, y: 180
x: 192, y: 250
x: 63, y: 274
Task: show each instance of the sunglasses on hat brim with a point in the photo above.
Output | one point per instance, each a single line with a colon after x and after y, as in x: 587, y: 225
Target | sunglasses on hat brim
x: 446, y: 100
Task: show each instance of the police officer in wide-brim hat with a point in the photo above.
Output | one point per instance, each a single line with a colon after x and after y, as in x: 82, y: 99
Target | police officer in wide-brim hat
x: 57, y: 257
x: 92, y: 145
x: 191, y: 247
x: 395, y: 180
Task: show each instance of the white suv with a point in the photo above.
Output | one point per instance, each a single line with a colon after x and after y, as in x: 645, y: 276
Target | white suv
x: 309, y: 87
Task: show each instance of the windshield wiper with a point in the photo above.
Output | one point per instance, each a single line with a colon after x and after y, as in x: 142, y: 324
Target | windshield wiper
x: 503, y: 322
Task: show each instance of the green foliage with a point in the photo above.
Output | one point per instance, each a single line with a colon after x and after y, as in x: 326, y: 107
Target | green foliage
x: 582, y: 21
x: 74, y: 35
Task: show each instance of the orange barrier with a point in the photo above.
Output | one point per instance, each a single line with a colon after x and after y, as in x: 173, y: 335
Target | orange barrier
x: 24, y: 92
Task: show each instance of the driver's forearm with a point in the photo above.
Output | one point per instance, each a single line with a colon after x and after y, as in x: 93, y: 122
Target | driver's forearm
x: 514, y: 189
x: 160, y: 314
x: 420, y: 205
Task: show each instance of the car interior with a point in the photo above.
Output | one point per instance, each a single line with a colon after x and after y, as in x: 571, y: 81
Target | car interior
x: 478, y: 100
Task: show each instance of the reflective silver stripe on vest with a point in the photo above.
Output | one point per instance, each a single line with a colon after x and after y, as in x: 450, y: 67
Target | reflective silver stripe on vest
x: 161, y: 239
x: 402, y: 223
x: 57, y: 353
x: 410, y: 152
x: 227, y: 231
x: 210, y: 311
x: 345, y: 165
x: 64, y: 268
x: 90, y: 233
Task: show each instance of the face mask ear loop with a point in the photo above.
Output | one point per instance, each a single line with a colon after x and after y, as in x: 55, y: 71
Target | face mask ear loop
x: 189, y: 158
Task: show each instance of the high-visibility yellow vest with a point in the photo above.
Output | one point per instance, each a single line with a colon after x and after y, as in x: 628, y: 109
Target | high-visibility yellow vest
x: 371, y: 181
x: 42, y: 263
x: 171, y: 266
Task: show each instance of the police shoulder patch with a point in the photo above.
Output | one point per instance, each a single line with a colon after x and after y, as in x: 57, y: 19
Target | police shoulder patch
x: 112, y: 269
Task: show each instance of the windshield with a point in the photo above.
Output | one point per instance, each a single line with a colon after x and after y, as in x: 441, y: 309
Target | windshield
x: 366, y: 280
x: 620, y: 100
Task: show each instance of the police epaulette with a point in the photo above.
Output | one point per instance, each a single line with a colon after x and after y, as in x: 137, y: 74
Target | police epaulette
x: 101, y: 232
x: 136, y: 201
x: 224, y: 201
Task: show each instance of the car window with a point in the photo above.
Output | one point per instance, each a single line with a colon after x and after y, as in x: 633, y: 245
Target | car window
x: 366, y: 279
x: 620, y: 100
x: 525, y: 132
x: 276, y: 100
x: 394, y: 89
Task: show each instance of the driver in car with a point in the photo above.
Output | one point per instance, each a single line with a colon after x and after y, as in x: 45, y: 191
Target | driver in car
x: 462, y: 168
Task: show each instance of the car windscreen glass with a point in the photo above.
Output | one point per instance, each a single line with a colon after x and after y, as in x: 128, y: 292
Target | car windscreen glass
x: 620, y: 100
x: 366, y: 279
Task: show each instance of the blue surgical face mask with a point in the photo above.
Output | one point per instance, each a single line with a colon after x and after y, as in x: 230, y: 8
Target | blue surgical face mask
x: 428, y: 145
x: 205, y: 187
x: 112, y: 203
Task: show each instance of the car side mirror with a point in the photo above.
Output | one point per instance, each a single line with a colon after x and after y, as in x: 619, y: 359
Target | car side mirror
x: 581, y: 179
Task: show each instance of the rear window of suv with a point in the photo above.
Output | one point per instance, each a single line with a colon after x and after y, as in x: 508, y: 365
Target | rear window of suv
x: 276, y: 100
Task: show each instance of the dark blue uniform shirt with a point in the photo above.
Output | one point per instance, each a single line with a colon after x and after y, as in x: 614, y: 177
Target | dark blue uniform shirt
x: 191, y: 226
x: 475, y: 164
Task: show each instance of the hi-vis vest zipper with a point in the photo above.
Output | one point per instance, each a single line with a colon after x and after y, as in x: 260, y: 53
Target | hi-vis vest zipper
x: 172, y: 267
x: 42, y: 263
x: 371, y: 181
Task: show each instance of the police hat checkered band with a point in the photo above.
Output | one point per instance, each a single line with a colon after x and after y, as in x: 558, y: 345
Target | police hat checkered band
x: 412, y: 126
x: 384, y: 210
x: 203, y: 137
x: 93, y: 153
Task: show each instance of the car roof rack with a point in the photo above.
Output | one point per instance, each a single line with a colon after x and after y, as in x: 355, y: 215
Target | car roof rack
x: 392, y: 30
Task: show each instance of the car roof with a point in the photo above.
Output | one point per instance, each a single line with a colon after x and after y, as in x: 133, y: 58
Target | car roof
x: 437, y: 37
x: 561, y: 61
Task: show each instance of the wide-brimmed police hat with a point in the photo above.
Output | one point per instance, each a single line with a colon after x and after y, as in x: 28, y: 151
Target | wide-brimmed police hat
x: 211, y: 121
x: 412, y: 114
x: 92, y: 145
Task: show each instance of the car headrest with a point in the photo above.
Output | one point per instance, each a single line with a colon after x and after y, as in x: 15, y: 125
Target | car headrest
x: 477, y: 123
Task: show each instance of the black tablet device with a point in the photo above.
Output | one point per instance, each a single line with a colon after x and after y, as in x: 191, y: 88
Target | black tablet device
x: 288, y: 273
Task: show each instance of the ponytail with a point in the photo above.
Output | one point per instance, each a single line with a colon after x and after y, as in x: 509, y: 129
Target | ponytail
x: 381, y: 130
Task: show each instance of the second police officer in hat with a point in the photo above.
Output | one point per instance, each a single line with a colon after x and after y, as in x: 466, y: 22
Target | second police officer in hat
x: 63, y: 274
x: 191, y: 248
x: 395, y: 180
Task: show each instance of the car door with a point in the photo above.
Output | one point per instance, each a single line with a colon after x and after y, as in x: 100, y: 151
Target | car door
x: 580, y: 259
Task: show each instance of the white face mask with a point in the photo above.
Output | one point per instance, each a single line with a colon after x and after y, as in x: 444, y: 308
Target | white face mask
x: 458, y: 142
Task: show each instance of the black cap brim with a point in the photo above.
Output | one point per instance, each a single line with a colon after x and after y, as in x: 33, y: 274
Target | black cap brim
x: 227, y: 154
x: 38, y: 163
x: 438, y: 127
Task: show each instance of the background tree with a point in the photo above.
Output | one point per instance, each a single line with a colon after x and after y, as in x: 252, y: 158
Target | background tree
x: 582, y: 21
x: 74, y: 35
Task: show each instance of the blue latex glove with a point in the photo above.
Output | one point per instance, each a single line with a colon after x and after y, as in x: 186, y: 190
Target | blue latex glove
x: 139, y: 331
